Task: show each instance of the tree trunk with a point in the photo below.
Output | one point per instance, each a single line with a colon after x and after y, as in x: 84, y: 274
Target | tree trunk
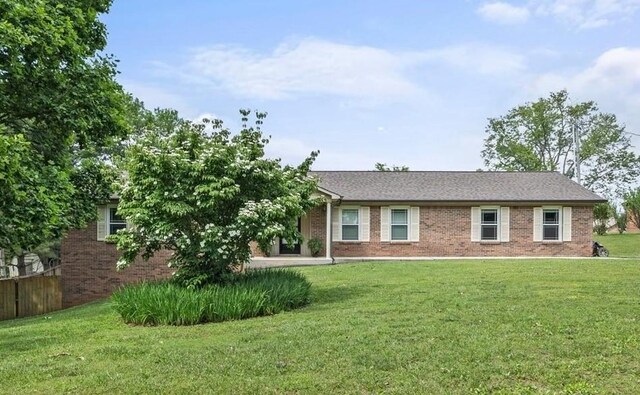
x: 22, y: 268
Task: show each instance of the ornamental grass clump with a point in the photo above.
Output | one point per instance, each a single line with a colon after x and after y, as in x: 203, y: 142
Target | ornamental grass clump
x: 252, y: 294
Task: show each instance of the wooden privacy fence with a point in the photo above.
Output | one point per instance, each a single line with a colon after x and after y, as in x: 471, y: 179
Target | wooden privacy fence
x: 26, y: 296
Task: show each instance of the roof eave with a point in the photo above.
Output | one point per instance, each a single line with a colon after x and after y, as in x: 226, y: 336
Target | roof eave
x: 492, y: 201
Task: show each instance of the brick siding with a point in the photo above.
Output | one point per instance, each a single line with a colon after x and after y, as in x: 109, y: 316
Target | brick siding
x: 88, y: 271
x: 631, y: 227
x: 89, y: 268
x: 446, y: 231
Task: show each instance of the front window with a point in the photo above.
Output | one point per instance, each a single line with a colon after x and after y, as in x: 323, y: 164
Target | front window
x: 489, y: 224
x: 350, y: 224
x: 551, y: 224
x: 400, y: 224
x: 116, y: 222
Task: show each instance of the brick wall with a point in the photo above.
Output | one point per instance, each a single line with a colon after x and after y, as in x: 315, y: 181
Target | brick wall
x: 318, y: 226
x: 89, y: 268
x: 631, y: 227
x: 89, y: 271
x: 446, y: 231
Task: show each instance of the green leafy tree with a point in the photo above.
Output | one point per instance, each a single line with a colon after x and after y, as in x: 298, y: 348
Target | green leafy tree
x: 30, y: 209
x: 383, y: 167
x: 631, y: 205
x: 539, y: 136
x: 621, y: 220
x: 56, y: 88
x: 602, y: 213
x: 61, y: 106
x: 205, y: 194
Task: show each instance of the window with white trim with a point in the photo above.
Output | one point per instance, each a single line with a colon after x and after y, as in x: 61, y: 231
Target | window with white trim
x: 489, y: 224
x: 350, y: 222
x: 399, y: 224
x: 551, y: 224
x: 115, y: 221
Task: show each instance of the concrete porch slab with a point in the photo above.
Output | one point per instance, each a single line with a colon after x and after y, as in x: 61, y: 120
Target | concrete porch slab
x: 280, y: 261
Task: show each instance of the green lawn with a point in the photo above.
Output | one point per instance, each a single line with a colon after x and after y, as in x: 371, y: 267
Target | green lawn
x: 621, y: 245
x: 525, y: 326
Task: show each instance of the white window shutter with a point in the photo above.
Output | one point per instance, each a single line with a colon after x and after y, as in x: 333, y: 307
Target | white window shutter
x: 475, y: 223
x: 415, y: 223
x: 101, y: 223
x: 566, y: 224
x: 505, y: 223
x: 336, y: 229
x: 364, y: 223
x: 537, y: 224
x: 384, y: 224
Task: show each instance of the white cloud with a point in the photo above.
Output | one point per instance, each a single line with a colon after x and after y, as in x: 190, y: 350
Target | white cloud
x: 581, y: 14
x: 504, y: 13
x: 612, y: 80
x: 309, y: 66
x: 313, y: 67
x: 478, y: 58
x: 586, y: 14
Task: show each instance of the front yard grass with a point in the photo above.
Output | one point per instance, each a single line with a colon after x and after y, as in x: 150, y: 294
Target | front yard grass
x: 626, y: 245
x: 523, y: 326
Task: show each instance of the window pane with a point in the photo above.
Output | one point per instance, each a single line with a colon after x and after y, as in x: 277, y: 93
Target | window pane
x: 350, y: 217
x: 113, y: 215
x: 113, y: 228
x: 399, y: 216
x: 489, y: 232
x: 399, y: 232
x: 551, y: 216
x: 489, y: 216
x: 349, y: 232
x: 550, y: 232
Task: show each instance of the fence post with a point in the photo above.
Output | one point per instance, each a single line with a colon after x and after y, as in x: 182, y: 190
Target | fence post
x: 17, y: 298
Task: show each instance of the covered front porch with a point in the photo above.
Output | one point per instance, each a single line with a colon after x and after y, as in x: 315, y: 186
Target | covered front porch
x: 314, y: 225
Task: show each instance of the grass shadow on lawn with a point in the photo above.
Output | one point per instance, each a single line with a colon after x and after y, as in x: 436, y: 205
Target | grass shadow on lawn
x: 321, y: 296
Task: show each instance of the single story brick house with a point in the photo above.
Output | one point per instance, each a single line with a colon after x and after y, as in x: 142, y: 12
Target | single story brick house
x: 368, y: 214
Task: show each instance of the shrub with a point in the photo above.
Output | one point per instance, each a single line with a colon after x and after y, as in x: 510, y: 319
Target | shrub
x: 602, y: 212
x: 632, y: 206
x: 600, y: 229
x: 315, y: 246
x: 204, y: 194
x: 251, y: 294
x: 621, y: 221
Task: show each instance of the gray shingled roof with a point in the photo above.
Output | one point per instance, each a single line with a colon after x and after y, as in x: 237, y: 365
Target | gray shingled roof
x: 454, y: 186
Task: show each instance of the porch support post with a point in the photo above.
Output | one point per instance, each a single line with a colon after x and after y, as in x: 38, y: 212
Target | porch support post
x: 329, y: 236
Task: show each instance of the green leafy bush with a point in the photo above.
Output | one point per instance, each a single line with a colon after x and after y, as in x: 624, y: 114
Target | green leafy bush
x: 602, y: 212
x: 621, y: 221
x: 252, y: 294
x: 315, y: 246
x: 632, y: 206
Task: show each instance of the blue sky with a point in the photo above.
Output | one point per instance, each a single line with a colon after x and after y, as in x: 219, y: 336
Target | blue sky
x: 403, y: 82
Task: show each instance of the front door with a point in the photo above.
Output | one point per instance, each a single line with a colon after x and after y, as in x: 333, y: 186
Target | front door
x: 286, y: 248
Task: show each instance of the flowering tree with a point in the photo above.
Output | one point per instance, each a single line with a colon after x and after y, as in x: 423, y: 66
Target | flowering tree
x: 205, y: 195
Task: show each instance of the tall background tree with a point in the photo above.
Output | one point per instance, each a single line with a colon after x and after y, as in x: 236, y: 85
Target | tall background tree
x: 632, y: 206
x: 60, y: 110
x: 540, y: 135
x: 383, y: 167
